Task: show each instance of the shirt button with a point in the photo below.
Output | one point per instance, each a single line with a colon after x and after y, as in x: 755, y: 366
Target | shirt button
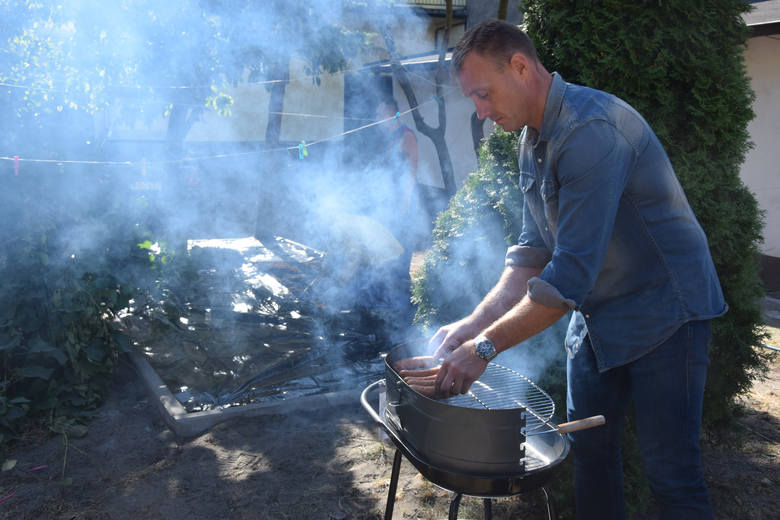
x: 539, y: 160
x: 587, y: 316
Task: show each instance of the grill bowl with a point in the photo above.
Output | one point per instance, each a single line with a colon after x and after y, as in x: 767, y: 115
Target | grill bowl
x: 462, y: 434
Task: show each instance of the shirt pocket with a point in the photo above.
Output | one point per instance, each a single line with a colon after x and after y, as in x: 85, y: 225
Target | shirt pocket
x: 527, y: 182
x: 548, y: 190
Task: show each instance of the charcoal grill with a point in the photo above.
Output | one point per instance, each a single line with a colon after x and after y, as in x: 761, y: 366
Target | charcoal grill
x: 497, y: 440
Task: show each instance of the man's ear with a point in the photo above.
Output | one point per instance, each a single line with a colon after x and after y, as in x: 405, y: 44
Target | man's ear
x: 519, y: 63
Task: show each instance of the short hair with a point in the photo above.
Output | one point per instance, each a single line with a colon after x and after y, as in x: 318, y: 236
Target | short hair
x: 494, y: 39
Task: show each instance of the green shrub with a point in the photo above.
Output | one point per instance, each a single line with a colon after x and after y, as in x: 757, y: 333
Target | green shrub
x: 58, y: 298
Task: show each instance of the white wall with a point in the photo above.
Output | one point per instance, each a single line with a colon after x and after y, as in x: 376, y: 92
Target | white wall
x: 761, y: 170
x: 321, y: 108
x: 457, y: 132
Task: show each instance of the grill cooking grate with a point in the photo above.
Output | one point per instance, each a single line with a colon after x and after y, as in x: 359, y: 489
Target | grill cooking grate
x: 501, y: 388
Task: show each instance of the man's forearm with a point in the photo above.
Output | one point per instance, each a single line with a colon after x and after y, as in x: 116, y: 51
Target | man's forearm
x: 508, y: 291
x: 526, y: 319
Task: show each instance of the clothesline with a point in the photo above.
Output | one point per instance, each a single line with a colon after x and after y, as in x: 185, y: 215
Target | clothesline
x: 301, y: 147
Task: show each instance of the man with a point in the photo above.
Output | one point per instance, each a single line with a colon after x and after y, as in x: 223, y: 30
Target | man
x: 609, y: 234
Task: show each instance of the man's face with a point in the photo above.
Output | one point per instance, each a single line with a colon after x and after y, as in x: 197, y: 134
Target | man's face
x: 496, y: 93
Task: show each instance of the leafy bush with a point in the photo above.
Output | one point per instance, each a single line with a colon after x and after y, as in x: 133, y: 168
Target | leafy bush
x: 60, y: 290
x: 470, y: 238
x: 467, y: 257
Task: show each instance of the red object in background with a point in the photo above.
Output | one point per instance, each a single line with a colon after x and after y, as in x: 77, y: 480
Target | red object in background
x: 16, y: 165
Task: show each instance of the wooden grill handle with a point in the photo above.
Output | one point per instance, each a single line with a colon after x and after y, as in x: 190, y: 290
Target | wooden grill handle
x: 581, y: 424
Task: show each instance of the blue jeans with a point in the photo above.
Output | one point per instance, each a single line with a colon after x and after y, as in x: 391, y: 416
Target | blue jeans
x: 667, y: 387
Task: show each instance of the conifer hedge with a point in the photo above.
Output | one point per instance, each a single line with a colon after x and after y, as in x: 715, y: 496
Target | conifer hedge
x: 679, y: 63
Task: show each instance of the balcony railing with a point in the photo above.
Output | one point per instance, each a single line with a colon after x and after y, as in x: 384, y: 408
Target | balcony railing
x: 436, y: 4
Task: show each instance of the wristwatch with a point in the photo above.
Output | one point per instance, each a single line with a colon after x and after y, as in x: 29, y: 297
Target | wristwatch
x: 485, y: 348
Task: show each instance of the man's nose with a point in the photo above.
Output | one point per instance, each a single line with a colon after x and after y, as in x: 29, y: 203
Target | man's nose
x: 483, y: 110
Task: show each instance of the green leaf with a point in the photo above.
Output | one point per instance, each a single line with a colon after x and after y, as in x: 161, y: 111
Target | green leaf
x: 96, y: 351
x: 76, y: 430
x: 146, y: 244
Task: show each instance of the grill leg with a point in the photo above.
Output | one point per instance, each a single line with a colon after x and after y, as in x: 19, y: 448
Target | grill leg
x: 393, y: 485
x: 488, y: 509
x: 548, y: 500
x: 454, y: 506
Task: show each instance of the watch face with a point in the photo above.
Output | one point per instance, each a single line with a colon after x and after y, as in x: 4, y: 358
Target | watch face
x: 485, y: 349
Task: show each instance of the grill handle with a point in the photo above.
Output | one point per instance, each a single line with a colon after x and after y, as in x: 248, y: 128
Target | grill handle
x: 581, y: 424
x: 370, y: 409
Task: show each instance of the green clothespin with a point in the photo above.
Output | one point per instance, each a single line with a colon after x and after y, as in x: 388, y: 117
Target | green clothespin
x: 302, y: 150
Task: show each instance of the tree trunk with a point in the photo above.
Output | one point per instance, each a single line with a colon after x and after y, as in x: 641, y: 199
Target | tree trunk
x: 435, y: 134
x: 503, y: 6
x: 271, y: 215
x: 281, y: 74
x: 180, y: 122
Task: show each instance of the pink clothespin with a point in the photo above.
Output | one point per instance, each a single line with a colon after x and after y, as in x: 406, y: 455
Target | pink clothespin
x: 16, y: 165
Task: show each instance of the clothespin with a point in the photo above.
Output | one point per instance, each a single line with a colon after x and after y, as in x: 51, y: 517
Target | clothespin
x: 302, y: 150
x: 397, y: 116
x: 438, y: 99
x: 16, y: 165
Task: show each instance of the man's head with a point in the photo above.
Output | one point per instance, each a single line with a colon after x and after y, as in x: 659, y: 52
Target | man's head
x: 496, y: 39
x: 497, y: 68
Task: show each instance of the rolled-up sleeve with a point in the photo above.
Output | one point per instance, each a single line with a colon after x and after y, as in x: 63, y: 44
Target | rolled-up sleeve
x: 547, y: 294
x: 592, y: 171
x: 530, y: 250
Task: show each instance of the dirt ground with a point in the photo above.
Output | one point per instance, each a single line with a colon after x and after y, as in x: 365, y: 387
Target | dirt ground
x: 323, y: 465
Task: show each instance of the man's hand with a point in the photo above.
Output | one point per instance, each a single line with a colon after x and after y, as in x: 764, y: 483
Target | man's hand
x: 459, y: 370
x: 451, y: 336
x: 414, y: 364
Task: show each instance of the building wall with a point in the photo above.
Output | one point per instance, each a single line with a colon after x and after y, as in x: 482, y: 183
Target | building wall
x: 312, y: 112
x: 457, y: 131
x: 315, y: 112
x: 761, y: 170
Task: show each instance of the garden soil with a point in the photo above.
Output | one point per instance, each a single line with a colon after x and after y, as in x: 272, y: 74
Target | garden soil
x: 327, y: 464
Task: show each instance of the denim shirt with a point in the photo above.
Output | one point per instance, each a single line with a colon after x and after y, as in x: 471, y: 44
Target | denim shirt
x: 606, y: 218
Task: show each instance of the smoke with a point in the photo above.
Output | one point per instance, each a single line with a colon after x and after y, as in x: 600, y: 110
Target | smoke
x: 147, y: 120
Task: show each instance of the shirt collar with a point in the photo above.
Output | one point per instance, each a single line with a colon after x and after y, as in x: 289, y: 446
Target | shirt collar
x: 553, y: 106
